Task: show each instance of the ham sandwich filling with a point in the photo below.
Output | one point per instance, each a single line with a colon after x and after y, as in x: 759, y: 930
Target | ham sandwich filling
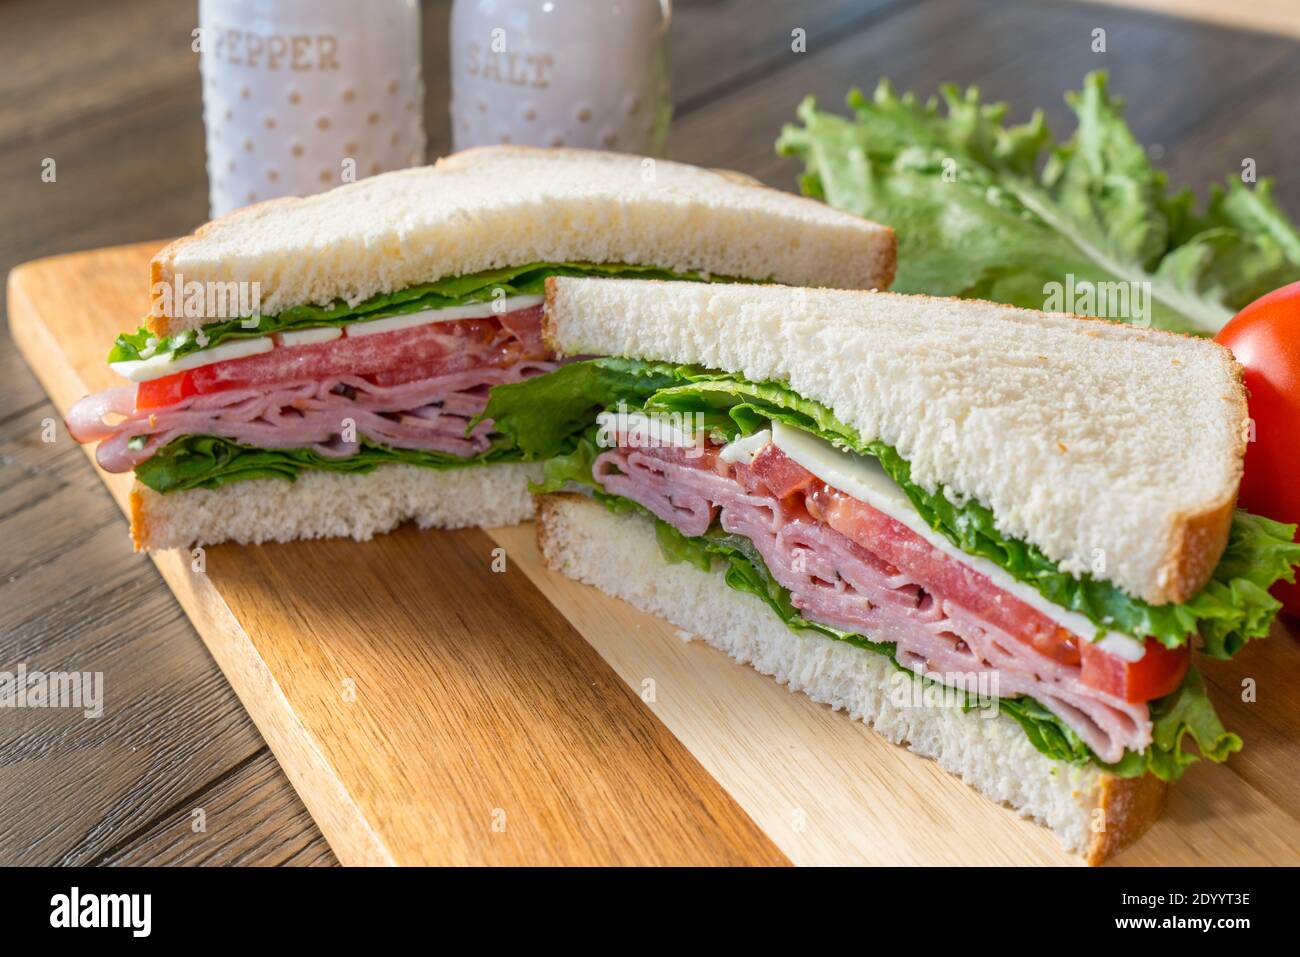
x: 853, y: 568
x: 415, y: 388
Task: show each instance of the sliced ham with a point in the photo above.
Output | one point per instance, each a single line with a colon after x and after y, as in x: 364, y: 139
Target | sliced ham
x: 409, y: 389
x: 893, y: 591
x: 432, y: 415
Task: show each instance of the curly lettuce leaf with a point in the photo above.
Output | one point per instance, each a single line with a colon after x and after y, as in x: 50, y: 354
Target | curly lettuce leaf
x: 1232, y: 608
x: 990, y: 211
x: 1187, y: 713
x: 543, y: 415
x: 1185, y: 717
x: 528, y: 280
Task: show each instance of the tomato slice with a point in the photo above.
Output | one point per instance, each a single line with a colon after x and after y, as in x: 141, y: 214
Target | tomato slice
x: 1159, y: 673
x: 168, y: 390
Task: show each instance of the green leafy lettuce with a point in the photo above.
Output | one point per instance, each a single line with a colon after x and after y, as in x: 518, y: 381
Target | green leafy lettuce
x: 452, y: 291
x: 990, y: 211
x: 1186, y: 713
x: 204, y: 461
x: 546, y: 416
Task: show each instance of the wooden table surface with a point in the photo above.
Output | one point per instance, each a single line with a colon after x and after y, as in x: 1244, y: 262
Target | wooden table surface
x: 111, y: 92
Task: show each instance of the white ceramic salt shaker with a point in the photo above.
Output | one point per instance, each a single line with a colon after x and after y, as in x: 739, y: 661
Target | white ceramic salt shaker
x: 300, y: 96
x: 587, y: 73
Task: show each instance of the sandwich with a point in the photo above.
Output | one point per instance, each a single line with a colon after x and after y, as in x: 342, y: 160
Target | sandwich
x: 997, y: 536
x: 310, y: 367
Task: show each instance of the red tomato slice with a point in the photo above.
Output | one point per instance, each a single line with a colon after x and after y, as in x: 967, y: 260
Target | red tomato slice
x: 1265, y: 338
x: 1159, y: 673
x: 159, y: 393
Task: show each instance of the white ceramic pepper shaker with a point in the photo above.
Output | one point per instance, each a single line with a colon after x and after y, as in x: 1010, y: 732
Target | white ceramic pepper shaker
x: 588, y: 73
x: 300, y: 96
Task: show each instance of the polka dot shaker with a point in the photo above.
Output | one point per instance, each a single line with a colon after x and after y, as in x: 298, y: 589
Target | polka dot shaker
x: 561, y: 73
x: 300, y: 96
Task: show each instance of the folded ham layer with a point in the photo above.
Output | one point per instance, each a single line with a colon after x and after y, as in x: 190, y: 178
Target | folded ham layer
x: 835, y: 581
x: 420, y: 390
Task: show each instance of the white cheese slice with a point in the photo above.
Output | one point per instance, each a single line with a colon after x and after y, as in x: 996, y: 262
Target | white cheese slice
x: 744, y: 449
x: 475, y: 310
x: 155, y: 367
x: 863, y: 477
x: 308, y: 337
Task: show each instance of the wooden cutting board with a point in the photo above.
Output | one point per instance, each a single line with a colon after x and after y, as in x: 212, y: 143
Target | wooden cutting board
x: 432, y: 711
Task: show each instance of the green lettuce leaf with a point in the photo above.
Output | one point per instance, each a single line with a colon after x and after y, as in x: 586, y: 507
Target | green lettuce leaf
x: 986, y: 210
x: 1231, y: 609
x: 1187, y: 712
x: 204, y: 461
x: 526, y: 280
x: 545, y: 418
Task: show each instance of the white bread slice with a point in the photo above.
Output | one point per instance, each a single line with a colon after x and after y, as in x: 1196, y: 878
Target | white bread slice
x: 1092, y: 812
x: 331, y: 504
x: 1116, y: 450
x: 509, y: 205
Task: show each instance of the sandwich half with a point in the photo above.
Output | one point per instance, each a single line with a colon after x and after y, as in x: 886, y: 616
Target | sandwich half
x: 310, y: 366
x: 995, y: 535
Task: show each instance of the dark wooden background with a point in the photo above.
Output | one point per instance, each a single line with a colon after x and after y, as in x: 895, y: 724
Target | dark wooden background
x: 111, y: 92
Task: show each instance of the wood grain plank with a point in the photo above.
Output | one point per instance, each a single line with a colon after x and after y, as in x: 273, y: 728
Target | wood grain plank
x: 412, y: 696
x: 249, y: 816
x: 97, y: 776
x: 1258, y: 124
x: 498, y: 713
x: 67, y: 586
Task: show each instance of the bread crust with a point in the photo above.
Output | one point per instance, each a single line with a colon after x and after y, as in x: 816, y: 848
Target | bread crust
x: 548, y: 320
x: 1199, y: 538
x: 139, y: 518
x: 1129, y: 806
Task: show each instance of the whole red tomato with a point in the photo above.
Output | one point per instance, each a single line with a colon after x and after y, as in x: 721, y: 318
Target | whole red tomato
x: 1265, y: 338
